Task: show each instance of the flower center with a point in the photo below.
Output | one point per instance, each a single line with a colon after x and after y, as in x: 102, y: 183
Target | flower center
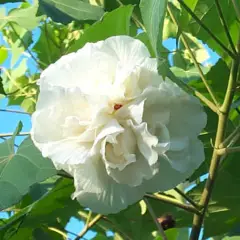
x: 117, y: 106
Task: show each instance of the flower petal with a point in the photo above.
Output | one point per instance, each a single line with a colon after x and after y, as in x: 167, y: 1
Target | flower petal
x: 169, y: 177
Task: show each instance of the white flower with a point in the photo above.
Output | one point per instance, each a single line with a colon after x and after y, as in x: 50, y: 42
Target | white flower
x: 105, y: 116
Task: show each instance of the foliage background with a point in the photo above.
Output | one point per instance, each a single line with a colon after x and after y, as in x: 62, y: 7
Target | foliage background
x: 37, y: 33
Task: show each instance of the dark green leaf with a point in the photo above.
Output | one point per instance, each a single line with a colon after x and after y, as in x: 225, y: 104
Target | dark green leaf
x: 109, y: 26
x: 65, y: 11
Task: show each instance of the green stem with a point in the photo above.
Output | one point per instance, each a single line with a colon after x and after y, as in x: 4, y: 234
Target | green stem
x: 206, y: 29
x: 188, y: 199
x: 224, y: 151
x: 216, y: 158
x: 60, y: 232
x: 11, y: 134
x: 230, y: 137
x: 224, y: 24
x: 154, y: 217
x: 174, y: 202
x: 89, y: 225
x: 25, y: 46
x: 13, y: 111
x: 86, y: 227
x: 185, y: 42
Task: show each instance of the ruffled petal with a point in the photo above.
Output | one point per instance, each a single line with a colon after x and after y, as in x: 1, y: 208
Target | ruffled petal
x: 169, y: 177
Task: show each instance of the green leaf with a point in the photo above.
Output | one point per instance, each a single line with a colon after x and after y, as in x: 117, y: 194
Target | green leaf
x: 153, y: 13
x: 21, y: 170
x: 65, y: 11
x: 3, y: 54
x: 47, y: 47
x: 25, y: 16
x: 192, y: 74
x: 107, y: 27
x: 206, y: 11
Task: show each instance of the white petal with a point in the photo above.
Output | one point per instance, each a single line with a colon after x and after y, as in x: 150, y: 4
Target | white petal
x: 169, y: 177
x: 66, y: 152
x: 146, y: 142
x: 112, y: 127
x: 134, y: 173
x: 187, y: 115
x: 112, y: 199
x: 133, y: 110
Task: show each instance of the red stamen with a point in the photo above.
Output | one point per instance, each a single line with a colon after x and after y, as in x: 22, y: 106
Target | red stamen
x: 117, y: 106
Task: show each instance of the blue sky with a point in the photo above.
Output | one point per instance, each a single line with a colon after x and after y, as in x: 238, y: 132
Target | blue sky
x: 10, y: 120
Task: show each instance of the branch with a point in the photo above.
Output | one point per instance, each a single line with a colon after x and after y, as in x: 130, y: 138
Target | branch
x: 206, y: 29
x: 58, y: 231
x: 15, y: 145
x: 224, y: 151
x: 158, y: 224
x: 89, y: 225
x: 188, y: 199
x: 224, y: 24
x: 11, y: 134
x: 25, y: 46
x: 216, y: 158
x: 174, y: 202
x: 13, y: 111
x: 185, y: 42
x: 230, y: 137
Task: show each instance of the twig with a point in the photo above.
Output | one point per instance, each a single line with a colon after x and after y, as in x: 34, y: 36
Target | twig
x: 230, y: 53
x: 15, y: 145
x: 185, y: 42
x: 11, y: 134
x: 211, y: 105
x: 230, y: 137
x: 216, y: 158
x: 224, y: 24
x: 58, y: 231
x: 224, y: 151
x: 13, y: 111
x: 186, y: 198
x: 25, y: 46
x: 154, y: 217
x: 174, y: 202
x: 89, y: 225
x: 85, y: 228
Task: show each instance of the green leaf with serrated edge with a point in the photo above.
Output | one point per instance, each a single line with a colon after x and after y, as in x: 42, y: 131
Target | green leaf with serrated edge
x: 65, y: 11
x: 24, y: 16
x: 21, y: 170
x: 109, y: 26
